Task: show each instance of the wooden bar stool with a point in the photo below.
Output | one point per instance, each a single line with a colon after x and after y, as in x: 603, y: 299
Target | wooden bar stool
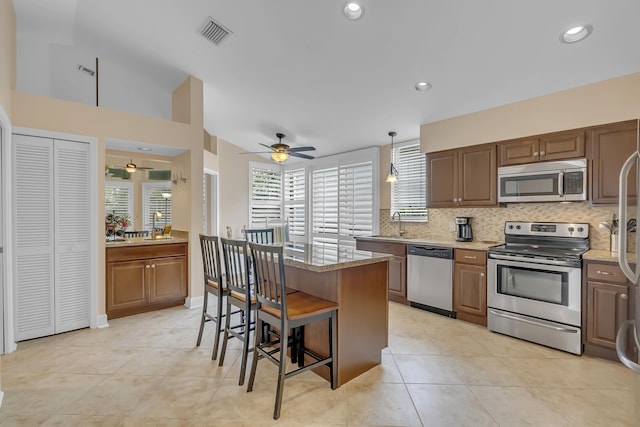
x: 238, y: 282
x: 259, y: 235
x: 286, y: 311
x: 214, y: 285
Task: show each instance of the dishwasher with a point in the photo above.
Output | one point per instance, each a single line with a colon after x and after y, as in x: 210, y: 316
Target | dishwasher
x: 430, y: 278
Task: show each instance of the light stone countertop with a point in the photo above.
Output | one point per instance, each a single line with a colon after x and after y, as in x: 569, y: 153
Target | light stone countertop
x: 477, y: 245
x: 143, y: 241
x: 605, y: 255
x: 320, y: 257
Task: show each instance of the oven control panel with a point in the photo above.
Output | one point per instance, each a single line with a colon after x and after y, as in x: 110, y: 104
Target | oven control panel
x: 554, y: 229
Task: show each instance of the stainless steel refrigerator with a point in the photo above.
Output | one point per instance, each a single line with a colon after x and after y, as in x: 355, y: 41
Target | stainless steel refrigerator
x: 629, y: 208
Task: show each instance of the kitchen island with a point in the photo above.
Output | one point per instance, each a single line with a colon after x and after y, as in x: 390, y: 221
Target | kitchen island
x: 357, y: 282
x: 145, y: 274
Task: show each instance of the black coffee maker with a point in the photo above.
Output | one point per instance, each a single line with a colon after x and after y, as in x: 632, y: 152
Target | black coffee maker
x: 463, y: 229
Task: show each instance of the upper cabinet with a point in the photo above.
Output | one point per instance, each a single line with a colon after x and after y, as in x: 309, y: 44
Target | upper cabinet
x: 609, y: 146
x: 462, y: 177
x: 552, y: 146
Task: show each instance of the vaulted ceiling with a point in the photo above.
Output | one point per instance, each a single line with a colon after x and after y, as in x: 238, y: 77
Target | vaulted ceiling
x: 302, y: 68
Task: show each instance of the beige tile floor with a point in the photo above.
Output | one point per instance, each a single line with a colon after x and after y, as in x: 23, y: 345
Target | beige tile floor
x: 145, y: 371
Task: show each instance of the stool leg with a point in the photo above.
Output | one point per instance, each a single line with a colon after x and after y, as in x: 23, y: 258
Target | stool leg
x: 203, y: 319
x: 281, y: 373
x: 227, y: 326
x: 245, y: 346
x: 218, y: 319
x: 300, y: 346
x: 254, y: 363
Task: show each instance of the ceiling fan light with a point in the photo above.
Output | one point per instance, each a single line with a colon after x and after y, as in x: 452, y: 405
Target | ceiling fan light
x: 279, y: 156
x: 130, y: 167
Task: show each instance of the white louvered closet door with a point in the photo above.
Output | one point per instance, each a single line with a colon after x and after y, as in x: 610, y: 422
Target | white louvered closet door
x: 34, y: 236
x: 71, y: 213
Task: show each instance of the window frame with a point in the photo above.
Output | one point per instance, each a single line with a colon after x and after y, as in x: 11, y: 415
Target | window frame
x: 264, y: 203
x: 129, y: 185
x: 146, y: 187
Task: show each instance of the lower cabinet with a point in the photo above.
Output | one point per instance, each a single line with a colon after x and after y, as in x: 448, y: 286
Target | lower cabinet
x: 470, y: 286
x: 397, y: 266
x: 608, y: 303
x: 145, y: 278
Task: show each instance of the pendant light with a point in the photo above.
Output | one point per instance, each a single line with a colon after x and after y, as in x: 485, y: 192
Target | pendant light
x: 392, y: 176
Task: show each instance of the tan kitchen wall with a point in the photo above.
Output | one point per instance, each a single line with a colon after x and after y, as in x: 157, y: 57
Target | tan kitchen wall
x: 40, y: 112
x: 7, y: 53
x: 488, y: 223
x: 603, y: 102
x: 234, y: 187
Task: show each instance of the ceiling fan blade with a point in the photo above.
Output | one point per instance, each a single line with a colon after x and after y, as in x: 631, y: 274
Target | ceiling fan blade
x: 265, y: 145
x: 296, y: 149
x: 144, y: 168
x: 302, y: 156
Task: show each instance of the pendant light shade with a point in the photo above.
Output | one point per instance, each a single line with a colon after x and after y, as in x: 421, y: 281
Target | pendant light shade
x: 392, y: 176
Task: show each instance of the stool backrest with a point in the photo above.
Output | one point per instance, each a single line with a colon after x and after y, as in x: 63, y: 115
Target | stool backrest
x: 268, y: 273
x: 236, y: 264
x: 259, y: 235
x: 140, y: 233
x: 211, y: 259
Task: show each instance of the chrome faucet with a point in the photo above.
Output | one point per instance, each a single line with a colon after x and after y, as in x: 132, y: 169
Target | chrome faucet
x: 400, y: 230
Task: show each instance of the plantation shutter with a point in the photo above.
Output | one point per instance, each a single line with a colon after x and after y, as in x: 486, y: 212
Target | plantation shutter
x: 72, y: 212
x: 153, y: 201
x: 118, y: 199
x: 295, y: 200
x: 325, y: 205
x: 356, y: 200
x: 266, y: 195
x: 409, y: 193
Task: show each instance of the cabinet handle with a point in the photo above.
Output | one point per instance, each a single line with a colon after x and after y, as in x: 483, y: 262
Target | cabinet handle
x: 542, y: 153
x: 624, y: 296
x: 535, y: 154
x: 469, y: 257
x: 605, y: 273
x: 147, y: 266
x: 481, y: 274
x: 153, y: 266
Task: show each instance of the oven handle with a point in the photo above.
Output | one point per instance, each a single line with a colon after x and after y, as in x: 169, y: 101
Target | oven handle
x: 531, y: 322
x: 531, y: 260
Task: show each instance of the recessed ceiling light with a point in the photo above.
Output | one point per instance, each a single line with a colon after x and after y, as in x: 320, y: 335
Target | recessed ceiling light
x: 144, y: 148
x: 353, y: 10
x: 422, y: 86
x: 575, y: 34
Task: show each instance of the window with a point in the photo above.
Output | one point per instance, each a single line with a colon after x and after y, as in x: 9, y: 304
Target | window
x: 295, y: 201
x: 266, y: 194
x: 409, y: 193
x: 118, y: 199
x: 154, y: 201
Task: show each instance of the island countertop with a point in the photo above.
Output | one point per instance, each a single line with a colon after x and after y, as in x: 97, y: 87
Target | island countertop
x: 143, y: 241
x: 321, y: 257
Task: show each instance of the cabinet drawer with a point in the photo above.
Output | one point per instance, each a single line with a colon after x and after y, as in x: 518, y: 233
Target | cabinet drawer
x: 605, y: 273
x: 398, y: 249
x: 468, y: 256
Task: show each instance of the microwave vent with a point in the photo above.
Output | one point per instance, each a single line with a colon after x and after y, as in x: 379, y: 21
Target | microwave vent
x: 213, y: 31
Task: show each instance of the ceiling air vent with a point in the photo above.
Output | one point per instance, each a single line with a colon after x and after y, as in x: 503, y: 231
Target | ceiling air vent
x: 214, y: 32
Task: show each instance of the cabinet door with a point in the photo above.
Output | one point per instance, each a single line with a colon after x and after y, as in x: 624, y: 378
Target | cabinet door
x: 127, y: 284
x: 607, y: 309
x: 167, y: 279
x: 478, y: 176
x: 398, y: 278
x: 519, y: 151
x: 610, y: 146
x: 470, y: 289
x: 562, y: 145
x: 442, y: 179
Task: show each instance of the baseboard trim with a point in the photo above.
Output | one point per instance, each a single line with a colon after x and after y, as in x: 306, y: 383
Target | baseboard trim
x: 194, y: 302
x: 102, y: 321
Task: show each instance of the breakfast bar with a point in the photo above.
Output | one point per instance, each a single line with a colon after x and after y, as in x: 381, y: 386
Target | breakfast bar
x: 357, y: 281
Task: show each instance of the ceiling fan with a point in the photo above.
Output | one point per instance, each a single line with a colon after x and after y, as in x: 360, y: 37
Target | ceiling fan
x: 132, y: 167
x: 281, y: 152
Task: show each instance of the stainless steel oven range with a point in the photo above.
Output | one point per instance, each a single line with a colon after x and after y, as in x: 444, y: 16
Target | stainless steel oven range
x: 534, y: 283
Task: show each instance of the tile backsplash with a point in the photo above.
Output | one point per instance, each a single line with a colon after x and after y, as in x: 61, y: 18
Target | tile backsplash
x: 488, y: 223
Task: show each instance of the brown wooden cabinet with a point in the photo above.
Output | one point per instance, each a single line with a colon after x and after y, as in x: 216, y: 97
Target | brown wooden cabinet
x: 609, y: 146
x: 607, y: 303
x: 462, y: 177
x: 397, y: 266
x: 552, y: 146
x: 145, y: 278
x: 470, y: 286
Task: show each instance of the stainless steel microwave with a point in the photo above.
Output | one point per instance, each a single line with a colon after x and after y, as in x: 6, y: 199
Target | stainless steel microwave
x: 543, y: 182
